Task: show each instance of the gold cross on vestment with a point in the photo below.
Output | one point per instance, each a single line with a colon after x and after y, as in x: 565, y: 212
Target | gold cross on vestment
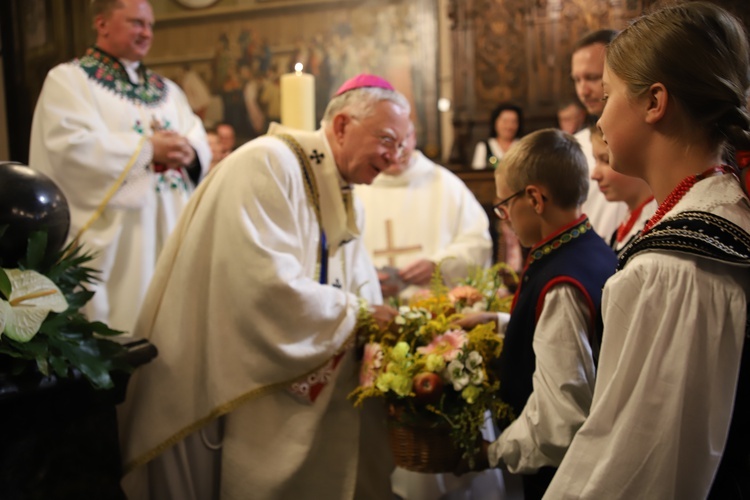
x: 391, y: 251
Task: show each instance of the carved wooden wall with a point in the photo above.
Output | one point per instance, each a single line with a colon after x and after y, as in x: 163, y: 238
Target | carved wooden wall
x: 36, y: 35
x: 519, y: 50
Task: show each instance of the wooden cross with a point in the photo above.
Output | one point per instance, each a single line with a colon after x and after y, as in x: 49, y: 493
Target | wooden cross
x: 391, y: 251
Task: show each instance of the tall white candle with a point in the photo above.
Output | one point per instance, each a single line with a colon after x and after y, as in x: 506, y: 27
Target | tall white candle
x: 298, y: 99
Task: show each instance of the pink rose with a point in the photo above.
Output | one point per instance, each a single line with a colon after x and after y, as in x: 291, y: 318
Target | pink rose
x: 447, y: 345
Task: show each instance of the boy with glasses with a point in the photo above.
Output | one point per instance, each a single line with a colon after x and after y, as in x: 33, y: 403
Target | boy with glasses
x: 551, y: 342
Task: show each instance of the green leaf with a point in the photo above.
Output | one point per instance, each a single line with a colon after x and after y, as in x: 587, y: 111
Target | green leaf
x: 86, y: 357
x: 42, y: 365
x: 35, y: 250
x: 78, y: 299
x: 5, y: 287
x: 59, y: 365
x: 102, y: 329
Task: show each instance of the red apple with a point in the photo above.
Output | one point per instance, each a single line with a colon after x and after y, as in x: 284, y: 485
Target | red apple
x: 428, y: 387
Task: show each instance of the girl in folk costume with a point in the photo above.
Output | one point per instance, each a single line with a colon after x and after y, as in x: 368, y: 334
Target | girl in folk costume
x: 618, y: 187
x: 669, y: 414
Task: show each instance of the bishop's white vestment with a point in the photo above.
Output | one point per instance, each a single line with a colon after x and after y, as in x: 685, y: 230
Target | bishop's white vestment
x: 604, y: 215
x: 90, y: 125
x: 427, y: 212
x: 674, y: 326
x: 245, y: 329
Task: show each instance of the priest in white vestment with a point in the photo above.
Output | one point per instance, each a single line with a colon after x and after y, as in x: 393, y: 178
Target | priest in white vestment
x: 419, y: 214
x: 253, y: 309
x: 125, y: 148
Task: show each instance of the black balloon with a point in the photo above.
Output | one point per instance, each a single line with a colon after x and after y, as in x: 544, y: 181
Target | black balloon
x: 29, y: 202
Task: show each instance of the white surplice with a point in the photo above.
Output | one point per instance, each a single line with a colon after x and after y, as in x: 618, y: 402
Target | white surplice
x: 238, y: 314
x: 83, y: 136
x: 674, y: 326
x: 604, y: 215
x: 432, y: 212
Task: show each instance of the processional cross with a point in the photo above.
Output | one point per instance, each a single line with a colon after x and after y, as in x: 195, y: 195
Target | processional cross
x: 391, y: 251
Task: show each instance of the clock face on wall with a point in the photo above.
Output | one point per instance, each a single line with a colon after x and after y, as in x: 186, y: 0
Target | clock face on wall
x: 196, y: 4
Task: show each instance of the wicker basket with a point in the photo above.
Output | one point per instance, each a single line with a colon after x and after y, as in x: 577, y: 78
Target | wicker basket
x: 422, y: 449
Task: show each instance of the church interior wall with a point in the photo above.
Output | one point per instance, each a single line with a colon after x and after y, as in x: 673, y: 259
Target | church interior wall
x: 397, y: 39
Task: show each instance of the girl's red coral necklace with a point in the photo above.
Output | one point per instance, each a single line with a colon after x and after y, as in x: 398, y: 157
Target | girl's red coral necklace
x: 679, y: 192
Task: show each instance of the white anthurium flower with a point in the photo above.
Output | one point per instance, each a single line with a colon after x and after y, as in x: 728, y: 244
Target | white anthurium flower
x: 33, y: 297
x: 4, y: 313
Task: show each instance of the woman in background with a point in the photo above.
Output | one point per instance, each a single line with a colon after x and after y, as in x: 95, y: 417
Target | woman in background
x: 506, y: 127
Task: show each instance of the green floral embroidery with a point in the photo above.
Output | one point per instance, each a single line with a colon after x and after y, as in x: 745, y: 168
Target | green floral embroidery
x: 110, y: 74
x: 566, y: 237
x: 165, y: 183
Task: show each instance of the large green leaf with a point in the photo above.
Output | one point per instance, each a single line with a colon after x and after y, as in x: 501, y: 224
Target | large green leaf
x: 86, y: 358
x: 35, y: 250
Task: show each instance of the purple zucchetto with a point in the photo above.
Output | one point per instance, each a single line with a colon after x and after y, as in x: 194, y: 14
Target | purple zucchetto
x: 363, y: 80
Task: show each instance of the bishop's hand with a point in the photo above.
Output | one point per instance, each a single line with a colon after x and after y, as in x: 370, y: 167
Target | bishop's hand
x: 383, y: 315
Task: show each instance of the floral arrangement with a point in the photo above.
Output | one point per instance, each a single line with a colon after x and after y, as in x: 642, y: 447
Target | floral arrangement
x: 431, y: 372
x: 41, y: 324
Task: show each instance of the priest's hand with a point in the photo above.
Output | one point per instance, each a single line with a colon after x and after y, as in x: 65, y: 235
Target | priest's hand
x: 171, y: 149
x: 480, y: 461
x: 471, y: 320
x: 388, y: 287
x: 418, y: 273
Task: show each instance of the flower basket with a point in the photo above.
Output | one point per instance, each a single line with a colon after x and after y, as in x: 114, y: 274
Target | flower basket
x: 422, y: 448
x: 435, y: 377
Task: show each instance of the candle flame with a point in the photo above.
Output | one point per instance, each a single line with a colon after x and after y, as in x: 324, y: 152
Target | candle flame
x: 298, y: 67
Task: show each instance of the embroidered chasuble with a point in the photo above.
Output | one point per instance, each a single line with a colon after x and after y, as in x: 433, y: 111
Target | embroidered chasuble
x: 87, y: 130
x: 427, y: 212
x: 675, y: 322
x: 242, y: 321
